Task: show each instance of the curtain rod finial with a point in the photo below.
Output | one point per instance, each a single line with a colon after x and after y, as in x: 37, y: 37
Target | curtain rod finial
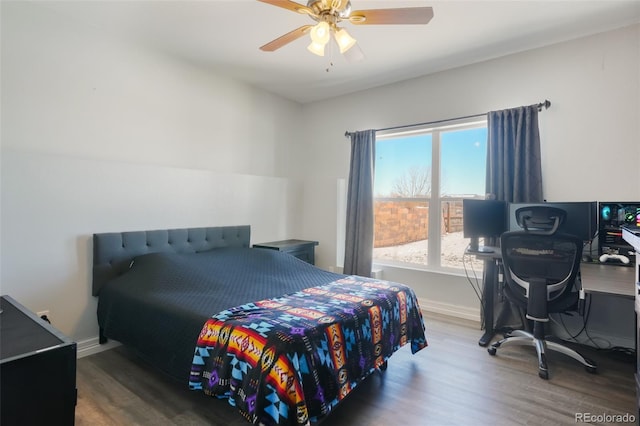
x: 546, y: 104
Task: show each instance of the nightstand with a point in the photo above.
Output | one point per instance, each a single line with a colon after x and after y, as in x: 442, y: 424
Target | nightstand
x: 37, y: 369
x: 301, y: 249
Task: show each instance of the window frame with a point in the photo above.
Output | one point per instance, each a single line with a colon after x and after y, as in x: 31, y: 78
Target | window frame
x: 434, y: 201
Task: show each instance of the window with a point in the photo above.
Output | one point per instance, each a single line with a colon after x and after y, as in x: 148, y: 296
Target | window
x: 421, y: 178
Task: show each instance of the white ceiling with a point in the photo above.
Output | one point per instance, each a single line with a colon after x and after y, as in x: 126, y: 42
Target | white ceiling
x: 224, y: 36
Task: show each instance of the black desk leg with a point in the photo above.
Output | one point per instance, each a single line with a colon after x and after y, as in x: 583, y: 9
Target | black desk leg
x: 489, y: 278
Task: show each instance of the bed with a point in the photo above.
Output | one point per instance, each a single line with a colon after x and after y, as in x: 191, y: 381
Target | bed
x: 282, y: 340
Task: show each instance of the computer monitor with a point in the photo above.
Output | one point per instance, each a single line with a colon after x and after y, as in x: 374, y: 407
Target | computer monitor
x: 580, y: 220
x: 483, y: 219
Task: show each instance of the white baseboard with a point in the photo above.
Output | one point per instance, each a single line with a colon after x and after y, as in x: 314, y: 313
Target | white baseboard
x: 376, y: 272
x: 92, y: 346
x: 471, y: 314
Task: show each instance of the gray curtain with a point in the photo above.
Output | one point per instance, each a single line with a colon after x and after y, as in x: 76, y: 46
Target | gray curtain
x: 514, y: 174
x: 513, y: 155
x: 359, y: 227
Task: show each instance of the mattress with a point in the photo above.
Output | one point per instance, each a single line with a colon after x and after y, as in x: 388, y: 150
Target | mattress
x: 158, y: 306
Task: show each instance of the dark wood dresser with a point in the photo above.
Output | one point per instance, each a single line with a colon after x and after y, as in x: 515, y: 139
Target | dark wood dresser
x: 302, y: 249
x: 37, y: 369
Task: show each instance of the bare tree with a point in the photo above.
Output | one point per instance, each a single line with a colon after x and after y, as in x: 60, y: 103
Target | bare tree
x: 414, y: 183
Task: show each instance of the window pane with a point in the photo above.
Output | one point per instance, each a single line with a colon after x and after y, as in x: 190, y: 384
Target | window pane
x: 462, y: 175
x: 463, y: 162
x: 403, y: 167
x: 405, y: 211
x: 402, y: 188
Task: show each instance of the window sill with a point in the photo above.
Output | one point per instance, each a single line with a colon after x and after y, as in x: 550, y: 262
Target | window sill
x: 459, y: 272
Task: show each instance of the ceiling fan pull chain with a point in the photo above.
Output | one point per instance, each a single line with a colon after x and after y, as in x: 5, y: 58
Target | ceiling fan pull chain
x: 330, y: 65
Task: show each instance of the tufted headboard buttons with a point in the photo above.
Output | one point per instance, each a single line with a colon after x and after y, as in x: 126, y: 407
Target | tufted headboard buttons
x: 113, y: 252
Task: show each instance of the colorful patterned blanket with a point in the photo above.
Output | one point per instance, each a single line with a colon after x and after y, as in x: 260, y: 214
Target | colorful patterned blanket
x: 290, y: 360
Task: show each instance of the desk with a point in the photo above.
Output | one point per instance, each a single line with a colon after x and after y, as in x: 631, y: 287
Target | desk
x: 613, y: 280
x: 608, y: 279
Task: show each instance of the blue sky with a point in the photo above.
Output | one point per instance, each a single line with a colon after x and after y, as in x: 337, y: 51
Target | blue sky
x: 463, y: 154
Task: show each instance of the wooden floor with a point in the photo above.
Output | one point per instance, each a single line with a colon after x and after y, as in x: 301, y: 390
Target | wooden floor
x: 452, y: 382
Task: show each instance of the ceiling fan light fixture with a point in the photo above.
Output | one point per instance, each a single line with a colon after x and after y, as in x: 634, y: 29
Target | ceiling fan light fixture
x: 354, y: 54
x: 316, y: 48
x: 321, y: 33
x: 344, y: 40
x: 327, y: 14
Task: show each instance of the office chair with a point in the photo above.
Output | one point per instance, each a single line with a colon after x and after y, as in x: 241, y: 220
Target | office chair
x: 541, y: 272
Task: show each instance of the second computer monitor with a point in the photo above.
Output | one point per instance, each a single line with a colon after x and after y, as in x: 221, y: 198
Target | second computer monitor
x: 482, y: 219
x: 581, y: 218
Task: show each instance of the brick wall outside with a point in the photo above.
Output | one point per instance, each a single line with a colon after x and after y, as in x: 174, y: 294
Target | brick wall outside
x: 405, y: 220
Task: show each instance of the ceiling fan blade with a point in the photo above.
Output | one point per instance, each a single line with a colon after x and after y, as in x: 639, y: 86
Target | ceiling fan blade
x: 290, y: 5
x: 408, y: 15
x: 285, y: 39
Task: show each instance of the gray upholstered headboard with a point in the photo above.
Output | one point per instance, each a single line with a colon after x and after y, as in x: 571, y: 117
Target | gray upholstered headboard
x: 114, y: 251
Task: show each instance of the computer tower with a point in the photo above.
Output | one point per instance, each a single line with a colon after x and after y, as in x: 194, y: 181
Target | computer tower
x: 612, y: 216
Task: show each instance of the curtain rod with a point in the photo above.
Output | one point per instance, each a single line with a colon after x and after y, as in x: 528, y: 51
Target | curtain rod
x: 546, y: 104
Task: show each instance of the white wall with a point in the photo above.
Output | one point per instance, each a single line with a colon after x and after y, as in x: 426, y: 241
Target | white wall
x: 102, y: 135
x: 590, y: 137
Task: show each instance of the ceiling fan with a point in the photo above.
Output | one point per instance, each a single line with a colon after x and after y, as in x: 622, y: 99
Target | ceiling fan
x: 329, y: 13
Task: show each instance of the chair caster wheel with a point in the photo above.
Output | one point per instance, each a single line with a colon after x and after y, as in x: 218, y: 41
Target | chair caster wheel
x: 544, y: 374
x: 491, y: 350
